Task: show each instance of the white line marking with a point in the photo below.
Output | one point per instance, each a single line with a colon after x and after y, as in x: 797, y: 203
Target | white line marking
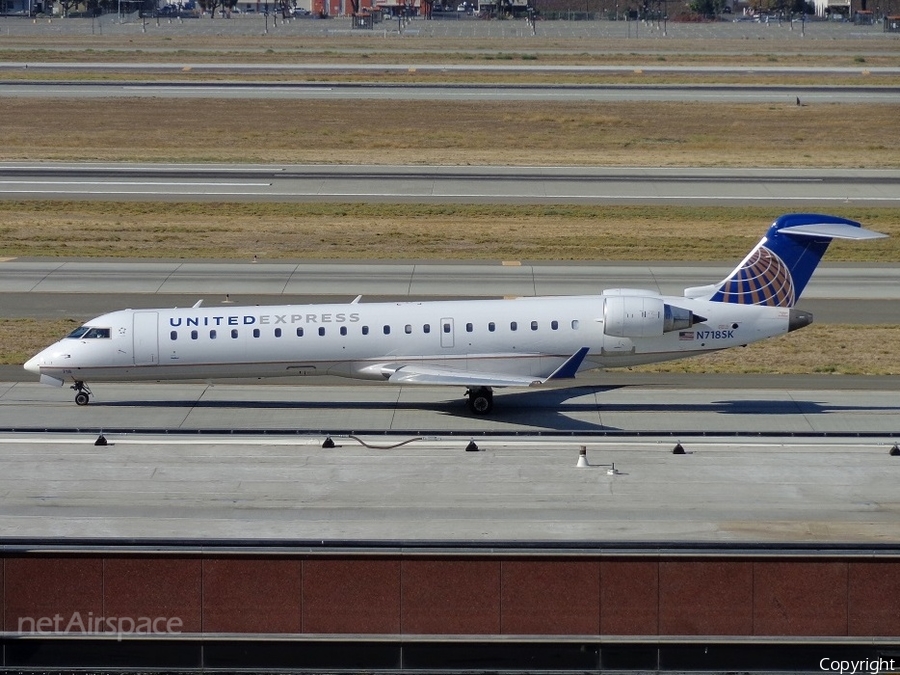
x: 113, y: 182
x: 370, y: 195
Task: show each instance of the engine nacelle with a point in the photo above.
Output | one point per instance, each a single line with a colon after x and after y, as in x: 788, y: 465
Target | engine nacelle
x: 643, y: 316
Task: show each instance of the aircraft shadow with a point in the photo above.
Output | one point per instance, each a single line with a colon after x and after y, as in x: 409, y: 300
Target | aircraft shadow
x: 552, y: 409
x: 746, y: 407
x: 546, y: 408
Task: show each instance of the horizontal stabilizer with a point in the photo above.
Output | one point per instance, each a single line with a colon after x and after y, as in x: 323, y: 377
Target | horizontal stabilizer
x: 832, y: 231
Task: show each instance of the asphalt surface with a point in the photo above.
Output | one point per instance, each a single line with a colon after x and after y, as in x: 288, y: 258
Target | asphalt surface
x: 605, y: 93
x: 784, y: 188
x: 774, y: 490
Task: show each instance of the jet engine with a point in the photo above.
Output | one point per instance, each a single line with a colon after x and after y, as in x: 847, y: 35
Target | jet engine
x: 644, y: 316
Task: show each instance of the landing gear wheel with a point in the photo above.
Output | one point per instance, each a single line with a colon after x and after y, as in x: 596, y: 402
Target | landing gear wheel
x: 82, y: 393
x: 481, y: 400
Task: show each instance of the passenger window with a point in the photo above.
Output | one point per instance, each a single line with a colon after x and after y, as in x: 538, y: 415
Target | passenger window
x: 299, y: 332
x: 365, y: 330
x: 321, y: 330
x: 343, y: 330
x: 574, y: 324
x: 446, y: 327
x: 277, y: 332
x: 407, y: 329
x: 513, y: 325
x: 173, y: 335
x: 534, y: 325
x: 194, y: 335
x: 492, y: 327
x: 234, y: 333
x: 256, y: 332
x: 554, y: 325
x: 387, y: 330
x: 426, y: 328
x: 212, y: 335
x: 469, y: 328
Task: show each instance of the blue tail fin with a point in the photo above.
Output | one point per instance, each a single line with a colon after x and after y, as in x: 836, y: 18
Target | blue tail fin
x: 777, y: 270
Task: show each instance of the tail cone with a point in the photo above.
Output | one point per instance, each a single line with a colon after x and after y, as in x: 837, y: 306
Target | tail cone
x: 799, y: 319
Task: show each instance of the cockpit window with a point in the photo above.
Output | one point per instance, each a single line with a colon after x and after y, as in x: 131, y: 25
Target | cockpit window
x: 89, y: 333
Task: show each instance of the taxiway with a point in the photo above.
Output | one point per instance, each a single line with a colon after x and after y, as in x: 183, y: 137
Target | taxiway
x: 795, y: 188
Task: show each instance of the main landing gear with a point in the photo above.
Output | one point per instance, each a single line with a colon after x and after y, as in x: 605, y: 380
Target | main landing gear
x: 82, y: 393
x: 481, y: 400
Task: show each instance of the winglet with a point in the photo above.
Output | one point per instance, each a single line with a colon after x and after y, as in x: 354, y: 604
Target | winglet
x: 571, y: 365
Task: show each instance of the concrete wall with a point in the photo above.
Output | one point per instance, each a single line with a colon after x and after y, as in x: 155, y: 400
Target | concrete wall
x: 503, y: 595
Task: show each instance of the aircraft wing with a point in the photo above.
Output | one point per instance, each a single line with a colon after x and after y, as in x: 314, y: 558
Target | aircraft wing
x: 414, y: 373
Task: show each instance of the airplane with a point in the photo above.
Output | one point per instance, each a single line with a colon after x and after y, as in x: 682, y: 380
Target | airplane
x: 477, y: 344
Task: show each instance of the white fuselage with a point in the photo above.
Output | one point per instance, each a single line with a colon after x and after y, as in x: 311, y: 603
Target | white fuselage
x: 525, y: 337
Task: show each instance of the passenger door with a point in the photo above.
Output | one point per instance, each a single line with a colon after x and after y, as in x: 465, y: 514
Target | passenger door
x: 146, y: 338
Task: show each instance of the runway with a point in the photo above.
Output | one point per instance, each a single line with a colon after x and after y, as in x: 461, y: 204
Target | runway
x: 783, y: 94
x: 799, y: 188
x: 595, y: 404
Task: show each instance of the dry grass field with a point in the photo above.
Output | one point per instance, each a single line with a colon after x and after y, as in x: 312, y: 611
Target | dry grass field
x: 832, y: 48
x: 453, y: 133
x: 406, y: 231
x: 833, y: 349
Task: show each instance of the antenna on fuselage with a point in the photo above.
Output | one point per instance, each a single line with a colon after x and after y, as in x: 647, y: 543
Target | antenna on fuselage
x: 198, y: 303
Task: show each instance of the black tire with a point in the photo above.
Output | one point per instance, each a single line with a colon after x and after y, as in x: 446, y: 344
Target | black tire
x: 481, y: 403
x: 81, y: 398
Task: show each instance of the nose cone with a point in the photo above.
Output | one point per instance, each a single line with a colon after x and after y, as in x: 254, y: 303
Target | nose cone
x: 33, y: 365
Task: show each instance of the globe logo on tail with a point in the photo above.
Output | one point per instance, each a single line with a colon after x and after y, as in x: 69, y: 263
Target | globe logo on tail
x: 763, y: 279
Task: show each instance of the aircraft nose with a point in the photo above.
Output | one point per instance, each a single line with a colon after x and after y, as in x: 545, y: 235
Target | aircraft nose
x: 33, y: 365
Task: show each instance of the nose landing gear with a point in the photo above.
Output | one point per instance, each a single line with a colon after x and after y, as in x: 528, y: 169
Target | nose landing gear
x: 82, y: 393
x: 481, y: 400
